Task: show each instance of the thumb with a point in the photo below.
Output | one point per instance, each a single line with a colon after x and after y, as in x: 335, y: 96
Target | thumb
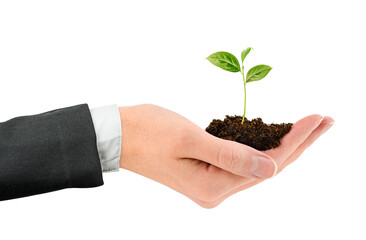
x: 231, y: 156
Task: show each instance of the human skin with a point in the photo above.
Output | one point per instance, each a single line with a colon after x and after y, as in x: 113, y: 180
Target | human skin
x: 168, y: 148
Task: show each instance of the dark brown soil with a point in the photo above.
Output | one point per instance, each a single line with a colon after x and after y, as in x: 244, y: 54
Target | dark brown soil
x: 254, y: 133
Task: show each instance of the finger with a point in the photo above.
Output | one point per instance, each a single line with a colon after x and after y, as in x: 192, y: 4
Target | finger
x: 204, y: 181
x: 296, y: 136
x: 217, y: 201
x: 231, y: 156
x: 326, y: 124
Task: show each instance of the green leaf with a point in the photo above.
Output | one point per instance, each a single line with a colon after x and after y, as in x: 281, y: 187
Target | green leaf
x: 244, y: 53
x: 257, y: 73
x: 225, y: 60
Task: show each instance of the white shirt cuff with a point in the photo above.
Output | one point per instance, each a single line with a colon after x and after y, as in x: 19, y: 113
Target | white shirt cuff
x: 107, y: 125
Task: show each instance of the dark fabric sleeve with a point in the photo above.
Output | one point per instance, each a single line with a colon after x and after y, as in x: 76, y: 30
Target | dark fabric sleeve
x: 48, y: 152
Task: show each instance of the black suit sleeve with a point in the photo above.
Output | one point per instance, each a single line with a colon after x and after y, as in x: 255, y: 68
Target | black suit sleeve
x: 48, y: 152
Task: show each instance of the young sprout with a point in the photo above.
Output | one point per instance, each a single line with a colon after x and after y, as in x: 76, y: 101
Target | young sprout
x: 229, y: 62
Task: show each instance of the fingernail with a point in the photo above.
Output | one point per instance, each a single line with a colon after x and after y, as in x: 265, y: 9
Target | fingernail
x: 263, y: 167
x: 319, y: 122
x: 327, y: 127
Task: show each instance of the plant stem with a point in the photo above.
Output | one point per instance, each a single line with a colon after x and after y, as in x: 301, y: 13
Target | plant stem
x: 245, y: 95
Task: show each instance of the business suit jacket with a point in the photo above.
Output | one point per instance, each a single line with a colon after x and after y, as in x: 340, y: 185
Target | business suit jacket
x: 47, y: 152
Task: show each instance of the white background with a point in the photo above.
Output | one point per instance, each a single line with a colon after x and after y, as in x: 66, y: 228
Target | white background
x: 55, y: 54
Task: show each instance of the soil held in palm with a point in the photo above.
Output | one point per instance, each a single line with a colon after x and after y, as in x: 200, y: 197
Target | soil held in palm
x: 254, y: 133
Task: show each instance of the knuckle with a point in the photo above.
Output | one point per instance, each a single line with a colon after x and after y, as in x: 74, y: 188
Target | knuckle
x: 229, y: 158
x: 207, y: 193
x: 186, y: 139
x: 207, y: 205
x: 183, y: 139
x: 207, y: 196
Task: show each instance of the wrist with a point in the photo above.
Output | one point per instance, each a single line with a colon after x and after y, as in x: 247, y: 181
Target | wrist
x: 124, y: 112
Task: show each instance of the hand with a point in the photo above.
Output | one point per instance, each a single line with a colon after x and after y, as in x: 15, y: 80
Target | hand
x: 168, y: 148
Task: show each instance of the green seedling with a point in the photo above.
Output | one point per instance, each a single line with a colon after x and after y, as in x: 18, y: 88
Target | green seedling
x: 229, y: 62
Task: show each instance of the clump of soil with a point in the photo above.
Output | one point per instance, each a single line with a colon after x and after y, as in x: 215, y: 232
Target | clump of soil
x: 254, y: 133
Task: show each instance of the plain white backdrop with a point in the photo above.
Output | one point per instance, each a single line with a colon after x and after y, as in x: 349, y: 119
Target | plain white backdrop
x: 55, y: 54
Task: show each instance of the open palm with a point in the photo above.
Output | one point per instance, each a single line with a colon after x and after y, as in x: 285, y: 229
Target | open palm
x: 168, y: 148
